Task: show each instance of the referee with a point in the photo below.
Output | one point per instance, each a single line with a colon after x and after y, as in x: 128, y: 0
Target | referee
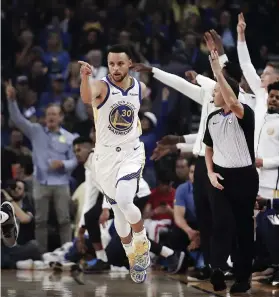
x: 230, y: 163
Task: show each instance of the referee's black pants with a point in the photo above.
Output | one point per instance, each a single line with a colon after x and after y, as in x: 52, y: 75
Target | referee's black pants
x: 232, y: 215
x: 201, y: 188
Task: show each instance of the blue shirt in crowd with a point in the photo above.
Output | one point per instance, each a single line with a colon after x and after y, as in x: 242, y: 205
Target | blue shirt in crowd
x: 47, y: 146
x: 184, y: 197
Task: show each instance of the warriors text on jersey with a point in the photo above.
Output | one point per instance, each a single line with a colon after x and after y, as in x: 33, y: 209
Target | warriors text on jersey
x: 116, y: 118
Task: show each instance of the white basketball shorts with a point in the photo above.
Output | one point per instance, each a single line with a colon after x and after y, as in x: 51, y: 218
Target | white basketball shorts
x: 113, y: 164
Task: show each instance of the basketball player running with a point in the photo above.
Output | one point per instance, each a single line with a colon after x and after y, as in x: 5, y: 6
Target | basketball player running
x: 119, y: 155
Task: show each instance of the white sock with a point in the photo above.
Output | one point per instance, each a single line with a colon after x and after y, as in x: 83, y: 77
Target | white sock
x: 3, y: 217
x: 128, y: 247
x: 140, y: 236
x: 101, y: 255
x: 166, y: 252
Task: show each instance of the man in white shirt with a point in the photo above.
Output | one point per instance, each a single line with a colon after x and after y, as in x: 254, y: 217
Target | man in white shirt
x: 257, y: 83
x: 267, y: 160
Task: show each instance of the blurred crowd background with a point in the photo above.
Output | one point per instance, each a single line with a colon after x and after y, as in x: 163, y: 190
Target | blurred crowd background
x: 43, y: 40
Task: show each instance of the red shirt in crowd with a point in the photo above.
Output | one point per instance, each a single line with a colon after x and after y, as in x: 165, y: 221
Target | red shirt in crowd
x: 159, y: 198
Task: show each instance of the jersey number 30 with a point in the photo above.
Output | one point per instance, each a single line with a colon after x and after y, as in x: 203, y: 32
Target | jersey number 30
x: 126, y: 113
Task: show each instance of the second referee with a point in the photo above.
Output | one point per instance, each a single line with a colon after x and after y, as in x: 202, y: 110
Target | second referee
x: 230, y: 162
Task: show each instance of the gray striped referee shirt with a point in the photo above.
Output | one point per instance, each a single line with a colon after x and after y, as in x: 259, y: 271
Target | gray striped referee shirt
x: 231, y: 138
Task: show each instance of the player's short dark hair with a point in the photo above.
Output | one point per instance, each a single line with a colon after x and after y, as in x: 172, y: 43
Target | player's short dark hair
x: 233, y: 70
x: 120, y: 48
x: 274, y: 65
x: 26, y: 163
x: 233, y: 84
x: 82, y: 140
x: 273, y: 86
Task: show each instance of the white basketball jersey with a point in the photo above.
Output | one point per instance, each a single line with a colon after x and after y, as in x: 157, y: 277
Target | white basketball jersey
x: 116, y: 118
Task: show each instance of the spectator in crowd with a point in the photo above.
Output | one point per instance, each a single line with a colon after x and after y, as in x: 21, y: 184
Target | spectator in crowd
x: 56, y: 94
x: 11, y: 153
x: 181, y: 171
x: 83, y: 146
x: 68, y: 106
x: 23, y: 210
x: 185, y: 235
x: 26, y: 247
x: 16, y: 144
x: 38, y: 79
x: 84, y: 126
x: 24, y: 172
x: 73, y: 78
x: 23, y: 55
x: 226, y: 31
x: 26, y: 96
x: 52, y: 168
x: 55, y: 57
x: 95, y: 58
x: 148, y: 125
x: 158, y: 212
x: 196, y: 58
x: 152, y: 129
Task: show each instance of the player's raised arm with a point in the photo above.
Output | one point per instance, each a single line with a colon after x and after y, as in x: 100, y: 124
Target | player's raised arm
x: 246, y: 65
x: 179, y: 84
x: 90, y: 91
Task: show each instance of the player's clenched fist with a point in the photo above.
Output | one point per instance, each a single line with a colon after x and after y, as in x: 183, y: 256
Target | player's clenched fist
x: 86, y: 69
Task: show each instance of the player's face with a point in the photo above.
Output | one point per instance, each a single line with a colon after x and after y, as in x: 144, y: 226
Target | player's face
x: 273, y: 101
x: 217, y: 96
x: 269, y: 76
x: 119, y: 64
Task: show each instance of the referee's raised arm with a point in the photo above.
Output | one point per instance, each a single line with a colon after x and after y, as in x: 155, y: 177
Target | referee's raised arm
x: 228, y: 94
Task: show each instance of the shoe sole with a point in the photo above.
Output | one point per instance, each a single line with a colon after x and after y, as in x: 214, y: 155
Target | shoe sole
x: 16, y: 226
x: 180, y: 262
x: 140, y: 268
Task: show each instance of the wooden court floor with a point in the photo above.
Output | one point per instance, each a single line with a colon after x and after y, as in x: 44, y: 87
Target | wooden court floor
x: 113, y: 284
